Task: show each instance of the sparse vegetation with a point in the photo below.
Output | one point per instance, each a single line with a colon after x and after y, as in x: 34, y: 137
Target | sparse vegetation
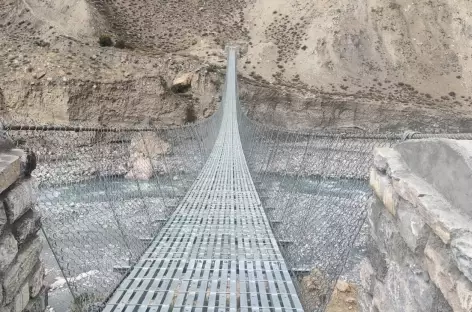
x: 120, y: 44
x: 105, y: 41
x: 212, y: 68
x: 190, y: 114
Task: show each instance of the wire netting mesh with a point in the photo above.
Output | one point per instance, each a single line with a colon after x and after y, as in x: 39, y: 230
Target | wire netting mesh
x: 104, y: 193
x: 315, y: 191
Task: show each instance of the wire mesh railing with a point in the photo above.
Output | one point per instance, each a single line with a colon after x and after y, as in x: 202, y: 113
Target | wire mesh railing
x: 104, y: 193
x: 315, y: 191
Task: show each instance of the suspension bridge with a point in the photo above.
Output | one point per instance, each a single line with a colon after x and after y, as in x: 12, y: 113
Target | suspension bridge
x: 217, y: 251
x: 234, y: 216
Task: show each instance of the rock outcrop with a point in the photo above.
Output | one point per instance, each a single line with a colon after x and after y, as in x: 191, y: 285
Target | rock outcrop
x: 145, y: 151
x: 182, y: 83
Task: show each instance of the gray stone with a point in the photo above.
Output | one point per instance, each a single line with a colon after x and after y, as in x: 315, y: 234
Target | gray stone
x: 403, y: 290
x: 7, y: 308
x: 443, y: 219
x: 445, y: 164
x: 27, y: 161
x: 464, y: 292
x: 365, y: 302
x: 383, y: 189
x: 367, y: 276
x: 462, y: 253
x: 412, y: 228
x: 21, y: 299
x: 36, y: 279
x: 3, y: 217
x: 442, y: 271
x: 21, y: 268
x: 20, y: 198
x: 27, y: 225
x: 8, y: 250
x: 437, y: 212
x: 381, y: 155
x: 411, y: 187
x: 381, y: 300
x: 37, y: 304
x: 9, y: 170
x: 386, y: 235
x: 143, y: 149
x: 378, y: 260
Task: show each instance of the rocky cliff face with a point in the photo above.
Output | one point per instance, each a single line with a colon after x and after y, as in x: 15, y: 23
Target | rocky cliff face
x: 126, y: 102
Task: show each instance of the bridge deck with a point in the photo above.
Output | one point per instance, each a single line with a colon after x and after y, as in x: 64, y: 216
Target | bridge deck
x: 217, y: 251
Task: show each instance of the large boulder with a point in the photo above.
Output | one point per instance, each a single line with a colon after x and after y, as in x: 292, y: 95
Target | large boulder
x: 145, y: 151
x: 182, y: 83
x: 141, y: 168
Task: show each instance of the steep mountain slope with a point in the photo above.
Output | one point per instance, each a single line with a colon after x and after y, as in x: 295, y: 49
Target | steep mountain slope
x: 397, y: 60
x: 373, y: 64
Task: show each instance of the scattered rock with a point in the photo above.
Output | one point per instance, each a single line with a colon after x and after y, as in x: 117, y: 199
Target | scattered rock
x: 343, y: 286
x: 143, y: 148
x: 351, y: 300
x: 182, y: 83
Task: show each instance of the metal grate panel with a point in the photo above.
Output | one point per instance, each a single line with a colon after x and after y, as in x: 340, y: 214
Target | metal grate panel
x: 217, y: 251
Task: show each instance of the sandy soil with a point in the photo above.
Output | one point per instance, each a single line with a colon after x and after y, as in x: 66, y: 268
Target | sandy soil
x: 344, y: 301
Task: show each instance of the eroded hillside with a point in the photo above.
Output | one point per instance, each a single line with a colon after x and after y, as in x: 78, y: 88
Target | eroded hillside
x: 369, y: 63
x: 373, y: 64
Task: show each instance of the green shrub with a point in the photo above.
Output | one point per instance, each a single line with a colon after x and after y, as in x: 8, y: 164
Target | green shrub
x: 190, y: 114
x: 105, y: 41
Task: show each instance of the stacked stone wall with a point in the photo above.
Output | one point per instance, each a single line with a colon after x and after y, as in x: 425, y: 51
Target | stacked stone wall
x: 21, y: 269
x: 420, y: 251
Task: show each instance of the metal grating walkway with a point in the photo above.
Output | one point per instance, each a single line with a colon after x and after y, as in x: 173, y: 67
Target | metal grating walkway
x: 217, y: 252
